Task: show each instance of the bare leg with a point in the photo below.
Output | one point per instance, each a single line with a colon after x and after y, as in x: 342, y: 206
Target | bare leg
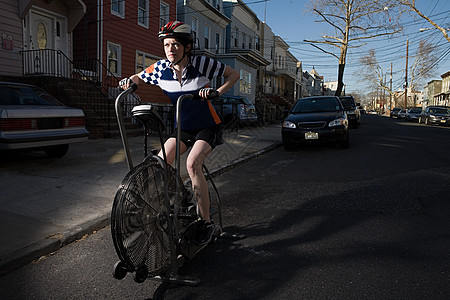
x: 194, y: 165
x: 170, y: 146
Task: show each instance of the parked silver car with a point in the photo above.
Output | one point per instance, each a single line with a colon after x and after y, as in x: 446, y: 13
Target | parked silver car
x: 32, y: 118
x: 413, y: 114
x: 437, y: 115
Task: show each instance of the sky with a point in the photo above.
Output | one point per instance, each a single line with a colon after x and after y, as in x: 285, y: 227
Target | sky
x: 294, y: 22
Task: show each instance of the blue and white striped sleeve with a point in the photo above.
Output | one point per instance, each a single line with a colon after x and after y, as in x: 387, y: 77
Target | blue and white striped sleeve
x: 209, y: 67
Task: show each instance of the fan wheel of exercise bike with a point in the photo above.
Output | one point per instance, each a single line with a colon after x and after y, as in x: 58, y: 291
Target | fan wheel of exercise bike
x: 140, y: 220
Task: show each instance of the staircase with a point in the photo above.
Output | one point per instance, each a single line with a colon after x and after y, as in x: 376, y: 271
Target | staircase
x: 87, y: 85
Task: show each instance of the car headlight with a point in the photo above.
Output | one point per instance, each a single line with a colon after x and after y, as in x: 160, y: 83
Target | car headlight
x: 432, y: 116
x: 289, y: 124
x: 337, y: 122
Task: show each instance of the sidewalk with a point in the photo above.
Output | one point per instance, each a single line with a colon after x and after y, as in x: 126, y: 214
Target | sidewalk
x: 48, y: 203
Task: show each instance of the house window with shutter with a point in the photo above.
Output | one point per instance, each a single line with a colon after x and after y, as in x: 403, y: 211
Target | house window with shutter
x: 114, y: 53
x: 217, y: 42
x: 206, y: 37
x: 143, y: 13
x: 194, y: 27
x: 163, y: 14
x: 144, y: 60
x: 118, y: 8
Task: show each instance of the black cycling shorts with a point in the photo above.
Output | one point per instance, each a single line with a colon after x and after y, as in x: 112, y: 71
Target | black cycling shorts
x: 211, y: 135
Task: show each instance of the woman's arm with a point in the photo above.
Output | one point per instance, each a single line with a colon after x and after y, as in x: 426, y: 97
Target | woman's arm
x: 231, y: 76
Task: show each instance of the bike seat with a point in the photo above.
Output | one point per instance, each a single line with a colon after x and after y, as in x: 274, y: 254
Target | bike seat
x: 149, y: 116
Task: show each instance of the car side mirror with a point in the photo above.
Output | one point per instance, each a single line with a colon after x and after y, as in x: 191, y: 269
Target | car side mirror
x: 358, y: 104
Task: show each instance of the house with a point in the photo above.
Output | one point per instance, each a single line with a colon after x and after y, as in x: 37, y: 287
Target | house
x: 78, y: 50
x: 208, y: 22
x: 119, y: 38
x: 317, y: 83
x: 433, y: 87
x: 314, y: 83
x: 443, y: 98
x: 243, y: 51
x: 330, y: 87
x: 415, y: 99
x: 37, y: 36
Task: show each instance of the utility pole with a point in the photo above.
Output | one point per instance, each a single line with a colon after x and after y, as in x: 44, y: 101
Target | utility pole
x: 390, y: 88
x: 406, y: 76
x: 384, y: 94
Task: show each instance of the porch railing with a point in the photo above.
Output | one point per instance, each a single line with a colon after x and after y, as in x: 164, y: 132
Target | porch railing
x: 101, y: 88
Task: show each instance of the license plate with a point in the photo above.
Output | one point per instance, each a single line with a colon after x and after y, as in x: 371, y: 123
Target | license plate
x: 443, y: 121
x: 311, y: 135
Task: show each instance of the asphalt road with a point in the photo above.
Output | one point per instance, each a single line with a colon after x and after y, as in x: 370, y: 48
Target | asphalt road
x: 369, y: 222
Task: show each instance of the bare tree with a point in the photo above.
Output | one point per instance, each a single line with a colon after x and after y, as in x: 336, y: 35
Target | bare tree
x: 371, y: 71
x: 353, y: 22
x: 411, y: 6
x: 423, y: 64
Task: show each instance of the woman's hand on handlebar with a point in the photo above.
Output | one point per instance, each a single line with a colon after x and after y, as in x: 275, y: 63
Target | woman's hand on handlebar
x: 125, y: 83
x: 208, y: 93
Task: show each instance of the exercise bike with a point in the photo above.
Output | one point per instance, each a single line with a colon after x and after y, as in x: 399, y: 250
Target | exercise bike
x: 154, y: 217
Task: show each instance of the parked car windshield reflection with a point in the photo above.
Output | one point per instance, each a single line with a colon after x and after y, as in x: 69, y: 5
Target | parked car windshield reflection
x: 313, y: 105
x: 439, y: 110
x: 26, y: 95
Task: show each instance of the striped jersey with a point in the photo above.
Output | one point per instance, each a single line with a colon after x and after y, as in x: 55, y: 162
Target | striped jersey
x: 199, y: 72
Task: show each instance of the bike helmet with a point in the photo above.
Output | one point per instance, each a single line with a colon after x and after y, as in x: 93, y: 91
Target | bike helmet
x: 177, y: 30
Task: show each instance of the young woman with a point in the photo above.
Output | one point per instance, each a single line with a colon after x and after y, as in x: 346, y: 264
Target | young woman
x: 181, y: 73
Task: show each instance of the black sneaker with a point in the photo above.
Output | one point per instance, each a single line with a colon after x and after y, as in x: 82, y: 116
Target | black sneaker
x: 205, y: 231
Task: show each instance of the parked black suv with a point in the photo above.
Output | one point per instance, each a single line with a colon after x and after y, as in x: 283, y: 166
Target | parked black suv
x: 352, y: 111
x: 235, y: 108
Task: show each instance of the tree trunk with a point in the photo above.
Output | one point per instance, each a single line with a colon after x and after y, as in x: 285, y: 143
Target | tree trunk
x: 340, y: 85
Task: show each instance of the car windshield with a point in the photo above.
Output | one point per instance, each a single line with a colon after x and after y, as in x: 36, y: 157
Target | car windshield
x: 316, y: 105
x: 439, y: 110
x: 25, y: 95
x: 416, y: 111
x: 347, y: 102
x: 245, y: 101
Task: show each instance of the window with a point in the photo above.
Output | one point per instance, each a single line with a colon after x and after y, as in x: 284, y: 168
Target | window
x: 250, y: 44
x: 243, y: 40
x: 114, y: 58
x: 163, y: 14
x: 206, y: 37
x: 118, y: 8
x: 245, y: 82
x: 236, y: 32
x: 143, y: 60
x: 195, y: 31
x: 143, y: 13
x: 258, y: 48
x: 217, y: 43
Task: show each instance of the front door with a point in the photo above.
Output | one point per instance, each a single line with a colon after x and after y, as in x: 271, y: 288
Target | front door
x: 47, y: 33
x: 42, y: 35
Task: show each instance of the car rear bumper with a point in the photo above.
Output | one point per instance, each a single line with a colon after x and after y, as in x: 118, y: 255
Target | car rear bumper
x: 31, y: 139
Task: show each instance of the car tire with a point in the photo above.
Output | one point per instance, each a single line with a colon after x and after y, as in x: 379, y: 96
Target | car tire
x: 56, y: 151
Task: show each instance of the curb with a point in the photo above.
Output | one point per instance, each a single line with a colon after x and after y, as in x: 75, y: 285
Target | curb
x: 52, y: 244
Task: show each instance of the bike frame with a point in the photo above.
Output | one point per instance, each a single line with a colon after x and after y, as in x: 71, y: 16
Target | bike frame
x: 173, y: 226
